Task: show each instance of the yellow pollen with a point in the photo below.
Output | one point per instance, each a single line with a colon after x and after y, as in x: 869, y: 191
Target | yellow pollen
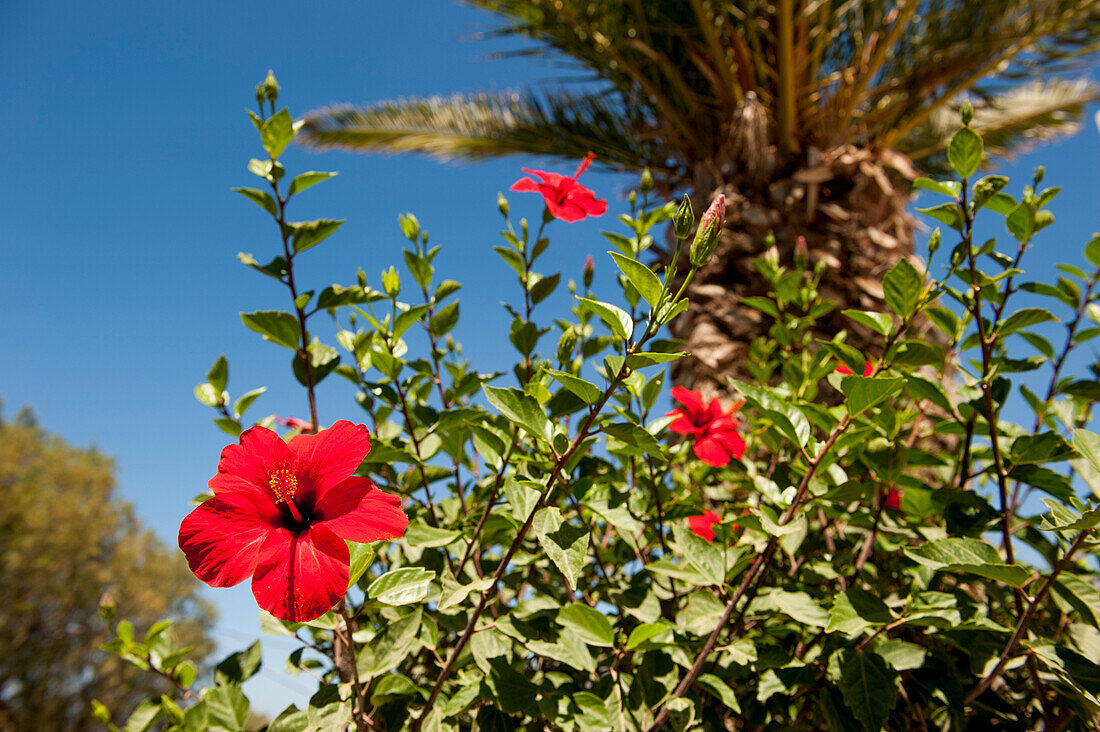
x: 283, y: 484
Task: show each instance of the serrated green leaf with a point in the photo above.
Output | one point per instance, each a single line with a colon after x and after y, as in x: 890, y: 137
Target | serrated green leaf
x: 589, y: 624
x: 308, y: 234
x: 262, y: 199
x: 880, y: 323
x: 974, y: 556
x: 587, y: 391
x: 869, y: 687
x: 565, y: 544
x: 276, y: 133
x: 1023, y: 319
x: 864, y: 392
x: 902, y: 286
x: 306, y: 180
x: 856, y: 610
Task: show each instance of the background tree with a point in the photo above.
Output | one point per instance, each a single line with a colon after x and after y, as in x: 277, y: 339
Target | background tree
x: 65, y: 540
x: 812, y: 117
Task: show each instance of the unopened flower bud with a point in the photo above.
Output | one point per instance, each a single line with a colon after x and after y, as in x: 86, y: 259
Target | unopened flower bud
x: 502, y: 205
x: 1040, y: 173
x: 647, y: 181
x: 684, y: 219
x: 566, y: 344
x: 261, y: 94
x: 633, y: 197
x: 934, y: 241
x: 967, y: 113
x: 271, y: 87
x: 361, y: 276
x: 706, y: 236
x: 589, y: 271
x: 391, y: 282
x: 801, y: 253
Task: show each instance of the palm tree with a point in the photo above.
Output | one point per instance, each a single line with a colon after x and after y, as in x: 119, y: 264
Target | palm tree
x: 811, y: 116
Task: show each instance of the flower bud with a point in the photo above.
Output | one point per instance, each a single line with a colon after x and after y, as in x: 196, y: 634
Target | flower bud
x: 646, y: 183
x: 261, y: 94
x: 967, y: 113
x: 706, y: 236
x: 684, y: 219
x: 633, y: 198
x: 1040, y: 173
x: 589, y: 272
x: 801, y: 253
x: 361, y: 276
x: 934, y: 241
x: 271, y: 87
x: 502, y: 205
x: 391, y: 282
x: 566, y: 344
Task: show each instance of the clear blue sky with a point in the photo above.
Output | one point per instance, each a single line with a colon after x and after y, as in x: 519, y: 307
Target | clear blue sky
x: 124, y: 130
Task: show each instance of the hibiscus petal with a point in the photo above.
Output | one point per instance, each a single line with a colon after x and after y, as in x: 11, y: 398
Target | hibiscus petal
x: 564, y: 212
x: 322, y: 460
x: 357, y: 511
x: 682, y: 425
x: 594, y: 206
x: 301, y: 575
x: 551, y: 180
x: 222, y: 541
x: 524, y: 184
x: 245, y: 468
x: 711, y: 452
x: 693, y: 400
x: 703, y: 526
x: 732, y: 442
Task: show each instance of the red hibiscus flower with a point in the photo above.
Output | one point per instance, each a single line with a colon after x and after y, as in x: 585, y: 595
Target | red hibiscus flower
x: 868, y: 369
x: 566, y: 199
x: 703, y: 526
x: 280, y: 514
x: 715, y: 431
x: 893, y: 499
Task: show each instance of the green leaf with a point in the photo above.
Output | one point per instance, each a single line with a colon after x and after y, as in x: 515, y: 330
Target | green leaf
x: 1064, y: 518
x: 309, y: 234
x: 306, y: 180
x: 880, y: 323
x: 707, y: 557
x: 587, y: 391
x: 523, y: 496
x: 206, y: 395
x: 519, y: 409
x: 779, y: 409
x: 362, y: 555
x: 445, y: 319
x: 589, y: 624
x: 855, y: 610
x: 260, y: 198
x: 902, y: 655
x: 1024, y: 318
x: 869, y: 687
x: 964, y: 152
x: 720, y: 690
x: 565, y: 544
x: 227, y: 708
x: 512, y: 690
x: 238, y: 667
x: 645, y: 282
x: 401, y: 586
x: 964, y: 554
x: 946, y: 213
x: 618, y: 320
x: 798, y: 605
x: 947, y: 188
x: 246, y: 400
x: 902, y: 287
x: 454, y: 594
x: 277, y: 132
x: 1088, y: 444
x: 1021, y: 223
x: 275, y: 326
x: 641, y: 360
x: 1047, y: 447
x: 643, y: 633
x: 864, y: 392
x: 422, y: 535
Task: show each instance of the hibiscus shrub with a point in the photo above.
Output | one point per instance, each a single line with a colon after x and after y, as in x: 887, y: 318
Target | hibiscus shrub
x: 857, y: 543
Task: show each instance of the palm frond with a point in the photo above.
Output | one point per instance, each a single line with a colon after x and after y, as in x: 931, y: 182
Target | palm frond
x: 473, y: 126
x: 1009, y: 123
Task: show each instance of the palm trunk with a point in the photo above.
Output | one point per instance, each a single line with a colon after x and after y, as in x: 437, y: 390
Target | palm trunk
x: 852, y: 212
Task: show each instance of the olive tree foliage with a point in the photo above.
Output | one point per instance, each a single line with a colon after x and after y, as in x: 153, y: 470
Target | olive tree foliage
x: 67, y: 545
x: 548, y: 578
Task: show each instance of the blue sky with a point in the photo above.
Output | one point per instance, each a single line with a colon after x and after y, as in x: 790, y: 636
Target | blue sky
x: 124, y: 130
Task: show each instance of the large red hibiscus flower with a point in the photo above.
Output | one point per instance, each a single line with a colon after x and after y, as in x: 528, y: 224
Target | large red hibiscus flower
x: 566, y: 199
x: 715, y: 431
x: 280, y: 514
